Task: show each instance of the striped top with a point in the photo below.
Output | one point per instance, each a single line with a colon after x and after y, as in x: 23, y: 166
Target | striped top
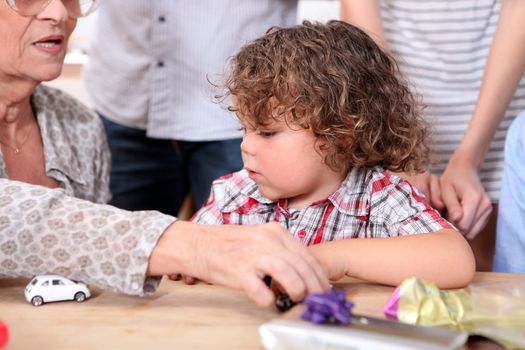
x: 369, y: 204
x: 150, y: 61
x: 442, y: 47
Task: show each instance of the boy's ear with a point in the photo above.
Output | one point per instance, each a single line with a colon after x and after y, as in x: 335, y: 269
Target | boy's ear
x: 322, y: 146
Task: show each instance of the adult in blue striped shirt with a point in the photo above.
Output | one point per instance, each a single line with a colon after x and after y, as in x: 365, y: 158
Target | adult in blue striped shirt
x: 150, y: 62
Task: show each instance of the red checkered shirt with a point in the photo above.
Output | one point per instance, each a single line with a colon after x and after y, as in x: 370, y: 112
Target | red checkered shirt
x: 369, y: 203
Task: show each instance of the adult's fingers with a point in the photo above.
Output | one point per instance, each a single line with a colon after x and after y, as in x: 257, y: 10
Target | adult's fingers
x: 256, y: 290
x: 425, y: 190
x: 290, y: 264
x: 435, y: 193
x: 239, y: 256
x: 189, y: 279
x: 175, y: 277
x: 481, y: 218
x: 476, y: 207
x: 479, y: 224
x: 470, y: 204
x: 316, y: 281
x: 452, y: 204
x: 286, y: 274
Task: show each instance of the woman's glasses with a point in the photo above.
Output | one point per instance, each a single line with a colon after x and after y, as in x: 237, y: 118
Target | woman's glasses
x: 75, y: 8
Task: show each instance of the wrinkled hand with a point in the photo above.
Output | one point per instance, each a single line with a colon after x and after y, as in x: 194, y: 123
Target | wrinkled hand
x: 468, y: 205
x: 240, y: 256
x: 428, y: 184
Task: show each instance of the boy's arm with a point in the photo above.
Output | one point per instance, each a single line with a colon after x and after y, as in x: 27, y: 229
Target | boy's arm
x: 443, y: 257
x: 407, y: 239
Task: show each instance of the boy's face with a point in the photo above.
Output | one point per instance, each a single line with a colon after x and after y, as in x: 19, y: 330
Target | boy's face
x: 284, y: 163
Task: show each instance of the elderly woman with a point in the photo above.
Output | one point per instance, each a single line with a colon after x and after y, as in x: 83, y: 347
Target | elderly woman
x: 54, y: 148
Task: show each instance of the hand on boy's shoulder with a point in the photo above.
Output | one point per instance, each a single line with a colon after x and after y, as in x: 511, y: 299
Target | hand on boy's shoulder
x: 428, y: 184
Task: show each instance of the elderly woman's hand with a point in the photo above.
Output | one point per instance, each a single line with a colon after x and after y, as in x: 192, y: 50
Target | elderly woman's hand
x: 239, y: 257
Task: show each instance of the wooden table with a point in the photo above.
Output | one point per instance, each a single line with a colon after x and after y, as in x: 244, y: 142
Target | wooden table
x: 176, y: 317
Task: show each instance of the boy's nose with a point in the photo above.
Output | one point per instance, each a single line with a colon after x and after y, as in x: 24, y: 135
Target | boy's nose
x: 247, y: 146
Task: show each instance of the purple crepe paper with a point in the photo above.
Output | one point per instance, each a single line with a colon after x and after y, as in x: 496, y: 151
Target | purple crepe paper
x: 328, y: 307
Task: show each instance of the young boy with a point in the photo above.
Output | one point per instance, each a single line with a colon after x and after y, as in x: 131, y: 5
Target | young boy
x: 326, y: 118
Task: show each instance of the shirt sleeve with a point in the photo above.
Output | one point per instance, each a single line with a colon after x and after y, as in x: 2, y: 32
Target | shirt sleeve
x: 43, y: 231
x: 402, y: 210
x: 102, y: 162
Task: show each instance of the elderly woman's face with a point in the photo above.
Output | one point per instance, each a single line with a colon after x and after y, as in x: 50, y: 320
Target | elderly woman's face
x: 33, y: 48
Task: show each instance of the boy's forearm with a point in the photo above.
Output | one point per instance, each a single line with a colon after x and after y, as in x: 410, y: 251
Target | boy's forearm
x: 443, y: 257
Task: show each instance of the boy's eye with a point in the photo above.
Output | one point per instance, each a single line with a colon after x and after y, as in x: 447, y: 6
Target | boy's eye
x: 243, y: 129
x: 266, y: 133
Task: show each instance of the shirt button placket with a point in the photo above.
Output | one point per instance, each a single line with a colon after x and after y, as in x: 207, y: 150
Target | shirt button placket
x: 161, y: 19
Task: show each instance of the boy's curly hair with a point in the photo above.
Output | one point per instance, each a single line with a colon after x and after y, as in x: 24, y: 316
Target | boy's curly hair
x: 334, y: 79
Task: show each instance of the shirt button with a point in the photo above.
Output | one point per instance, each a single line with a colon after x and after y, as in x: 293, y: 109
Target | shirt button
x: 301, y: 233
x: 162, y: 19
x: 160, y: 64
x: 135, y: 286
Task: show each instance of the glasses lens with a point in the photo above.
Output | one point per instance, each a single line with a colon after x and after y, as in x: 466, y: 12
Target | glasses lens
x: 80, y: 8
x: 75, y: 8
x: 28, y: 7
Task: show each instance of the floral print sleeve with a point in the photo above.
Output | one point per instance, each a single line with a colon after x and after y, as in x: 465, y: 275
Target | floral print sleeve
x: 45, y: 231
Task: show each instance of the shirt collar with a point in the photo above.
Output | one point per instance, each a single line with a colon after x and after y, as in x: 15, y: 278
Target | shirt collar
x: 352, y: 197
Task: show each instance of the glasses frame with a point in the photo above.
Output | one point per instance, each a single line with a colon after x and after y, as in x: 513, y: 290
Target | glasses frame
x: 45, y: 3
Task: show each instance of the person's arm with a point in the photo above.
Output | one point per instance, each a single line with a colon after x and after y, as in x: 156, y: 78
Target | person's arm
x: 405, y: 238
x: 467, y: 203
x: 442, y: 257
x: 366, y: 16
x: 43, y: 230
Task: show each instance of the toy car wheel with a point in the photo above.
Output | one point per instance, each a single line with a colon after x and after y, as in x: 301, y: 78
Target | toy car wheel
x: 80, y: 297
x: 37, y: 300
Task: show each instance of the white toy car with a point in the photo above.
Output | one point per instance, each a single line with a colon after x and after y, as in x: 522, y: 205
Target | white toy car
x: 47, y: 288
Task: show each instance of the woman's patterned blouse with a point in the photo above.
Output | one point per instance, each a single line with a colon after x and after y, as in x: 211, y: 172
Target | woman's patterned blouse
x: 50, y: 231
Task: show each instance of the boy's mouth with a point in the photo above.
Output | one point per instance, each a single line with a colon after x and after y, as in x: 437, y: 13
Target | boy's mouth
x: 252, y: 174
